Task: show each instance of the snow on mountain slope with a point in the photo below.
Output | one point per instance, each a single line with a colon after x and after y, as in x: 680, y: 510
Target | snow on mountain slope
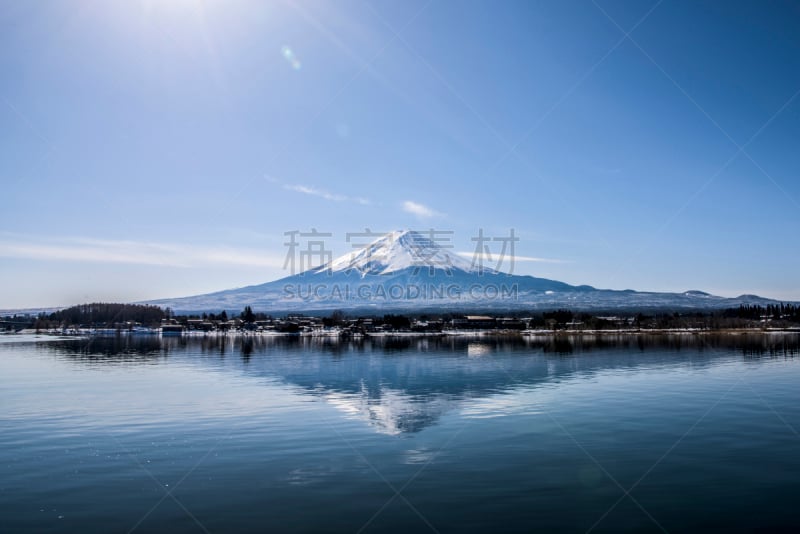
x: 397, y: 251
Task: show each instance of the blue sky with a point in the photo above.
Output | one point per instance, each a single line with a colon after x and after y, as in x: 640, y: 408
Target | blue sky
x: 153, y: 148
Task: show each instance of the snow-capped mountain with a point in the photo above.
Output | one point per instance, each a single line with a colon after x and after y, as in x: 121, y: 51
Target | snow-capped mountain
x: 406, y: 270
x: 397, y: 251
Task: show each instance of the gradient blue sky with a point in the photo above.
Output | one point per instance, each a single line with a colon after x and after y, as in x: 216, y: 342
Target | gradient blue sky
x: 161, y: 148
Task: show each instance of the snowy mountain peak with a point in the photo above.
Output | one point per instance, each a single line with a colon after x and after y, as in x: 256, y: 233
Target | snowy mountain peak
x: 399, y: 250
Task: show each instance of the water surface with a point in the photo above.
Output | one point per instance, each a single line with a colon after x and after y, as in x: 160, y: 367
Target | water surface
x: 603, y: 434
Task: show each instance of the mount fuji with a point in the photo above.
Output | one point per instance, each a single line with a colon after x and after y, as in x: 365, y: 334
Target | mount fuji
x: 407, y: 271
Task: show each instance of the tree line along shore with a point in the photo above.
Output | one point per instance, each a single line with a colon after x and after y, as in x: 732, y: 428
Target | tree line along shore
x: 133, y: 317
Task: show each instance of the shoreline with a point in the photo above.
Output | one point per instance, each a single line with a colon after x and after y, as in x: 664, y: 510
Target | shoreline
x: 332, y: 334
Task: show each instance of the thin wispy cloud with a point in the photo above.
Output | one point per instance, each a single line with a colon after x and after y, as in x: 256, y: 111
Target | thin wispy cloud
x: 335, y: 197
x: 420, y: 210
x: 506, y: 258
x: 315, y: 192
x: 90, y: 250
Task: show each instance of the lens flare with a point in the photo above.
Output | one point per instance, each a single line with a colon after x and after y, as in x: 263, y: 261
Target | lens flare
x: 291, y: 58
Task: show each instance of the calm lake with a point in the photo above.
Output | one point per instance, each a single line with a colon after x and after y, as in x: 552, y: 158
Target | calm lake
x: 613, y: 434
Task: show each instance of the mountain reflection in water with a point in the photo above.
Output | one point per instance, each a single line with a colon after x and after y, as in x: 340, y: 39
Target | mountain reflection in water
x: 403, y: 385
